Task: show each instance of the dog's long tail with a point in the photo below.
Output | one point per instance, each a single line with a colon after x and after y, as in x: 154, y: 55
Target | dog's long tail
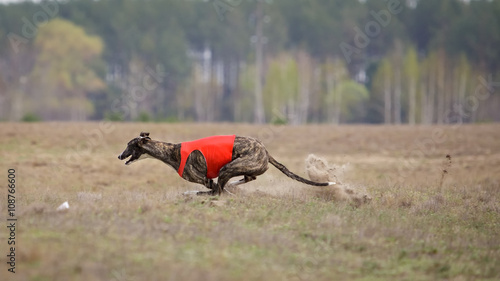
x: 287, y: 172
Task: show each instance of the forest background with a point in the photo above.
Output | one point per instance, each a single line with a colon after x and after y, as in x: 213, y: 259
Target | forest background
x: 279, y: 61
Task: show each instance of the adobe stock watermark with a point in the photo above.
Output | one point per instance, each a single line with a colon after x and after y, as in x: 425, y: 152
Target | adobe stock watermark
x: 422, y: 148
x: 121, y: 275
x: 268, y: 133
x: 149, y: 80
x: 222, y: 7
x: 464, y: 110
x: 29, y: 29
x: 308, y: 267
x: 371, y: 30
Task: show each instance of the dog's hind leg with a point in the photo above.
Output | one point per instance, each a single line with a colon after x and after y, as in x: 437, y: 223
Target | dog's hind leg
x: 249, y: 166
x: 245, y: 179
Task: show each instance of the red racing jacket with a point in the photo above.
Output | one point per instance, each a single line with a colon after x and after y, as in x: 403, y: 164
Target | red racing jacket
x: 217, y: 150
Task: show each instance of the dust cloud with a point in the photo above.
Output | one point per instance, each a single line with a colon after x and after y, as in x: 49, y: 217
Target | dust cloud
x: 319, y: 170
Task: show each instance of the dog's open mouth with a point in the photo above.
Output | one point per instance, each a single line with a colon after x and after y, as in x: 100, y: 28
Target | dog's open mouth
x: 130, y: 160
x: 135, y: 156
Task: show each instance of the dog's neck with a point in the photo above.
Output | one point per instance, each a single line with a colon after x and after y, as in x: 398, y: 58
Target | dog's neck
x: 166, y: 152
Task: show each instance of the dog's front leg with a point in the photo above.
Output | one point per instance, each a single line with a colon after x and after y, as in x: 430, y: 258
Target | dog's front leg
x: 213, y: 186
x: 217, y: 190
x: 196, y: 171
x: 210, y: 184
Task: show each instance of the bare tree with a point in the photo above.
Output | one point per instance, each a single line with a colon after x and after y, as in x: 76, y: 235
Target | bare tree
x: 431, y: 88
x: 335, y: 73
x: 305, y: 67
x: 411, y: 73
x: 259, y: 105
x: 397, y: 81
x: 441, y: 89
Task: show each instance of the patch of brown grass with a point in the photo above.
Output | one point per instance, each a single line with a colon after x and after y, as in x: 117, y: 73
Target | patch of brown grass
x: 132, y: 223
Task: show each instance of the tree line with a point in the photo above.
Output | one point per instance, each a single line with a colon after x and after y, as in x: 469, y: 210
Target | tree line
x: 279, y: 61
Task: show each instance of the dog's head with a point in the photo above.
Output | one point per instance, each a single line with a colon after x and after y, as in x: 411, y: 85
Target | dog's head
x: 135, y: 149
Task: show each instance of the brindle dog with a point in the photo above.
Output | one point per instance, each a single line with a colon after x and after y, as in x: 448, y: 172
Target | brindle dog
x: 249, y: 159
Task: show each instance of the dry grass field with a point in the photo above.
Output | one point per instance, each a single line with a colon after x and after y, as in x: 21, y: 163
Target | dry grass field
x: 431, y: 217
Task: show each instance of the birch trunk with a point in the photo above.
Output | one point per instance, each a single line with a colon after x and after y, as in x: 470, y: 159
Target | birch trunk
x: 440, y: 89
x: 413, y: 101
x: 259, y: 106
x: 387, y: 99
x: 305, y: 73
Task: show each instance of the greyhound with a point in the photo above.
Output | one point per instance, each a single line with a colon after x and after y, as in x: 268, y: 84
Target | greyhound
x: 203, y: 160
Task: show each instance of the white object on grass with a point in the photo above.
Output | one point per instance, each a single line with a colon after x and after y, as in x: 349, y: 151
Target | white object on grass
x: 63, y: 206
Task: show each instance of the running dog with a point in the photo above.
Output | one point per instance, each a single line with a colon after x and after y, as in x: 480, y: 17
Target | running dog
x: 203, y: 160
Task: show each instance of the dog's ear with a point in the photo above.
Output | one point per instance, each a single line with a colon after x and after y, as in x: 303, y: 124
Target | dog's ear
x: 144, y: 140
